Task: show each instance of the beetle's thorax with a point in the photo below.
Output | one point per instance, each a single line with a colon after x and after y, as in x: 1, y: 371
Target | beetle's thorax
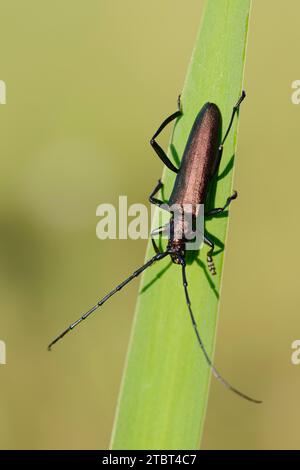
x: 177, y: 250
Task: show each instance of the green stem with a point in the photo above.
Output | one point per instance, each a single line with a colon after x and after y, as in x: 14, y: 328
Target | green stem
x: 165, y: 386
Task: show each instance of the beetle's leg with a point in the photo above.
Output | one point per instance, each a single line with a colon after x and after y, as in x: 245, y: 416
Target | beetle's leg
x: 158, y: 231
x: 155, y: 247
x: 154, y: 200
x: 217, y: 210
x: 160, y: 152
x: 234, y: 111
x: 210, y: 261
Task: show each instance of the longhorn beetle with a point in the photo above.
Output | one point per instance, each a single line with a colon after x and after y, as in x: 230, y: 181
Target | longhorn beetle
x: 200, y: 163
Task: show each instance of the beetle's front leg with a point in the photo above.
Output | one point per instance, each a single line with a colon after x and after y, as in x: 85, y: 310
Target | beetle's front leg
x: 158, y: 231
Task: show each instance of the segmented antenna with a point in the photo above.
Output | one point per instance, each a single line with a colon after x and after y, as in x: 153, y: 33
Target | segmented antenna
x: 208, y: 360
x: 136, y: 273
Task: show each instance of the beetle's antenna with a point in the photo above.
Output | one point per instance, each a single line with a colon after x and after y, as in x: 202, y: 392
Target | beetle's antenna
x: 208, y: 360
x: 136, y: 273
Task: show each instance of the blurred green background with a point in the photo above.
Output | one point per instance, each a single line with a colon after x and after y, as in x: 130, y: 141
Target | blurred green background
x: 87, y: 85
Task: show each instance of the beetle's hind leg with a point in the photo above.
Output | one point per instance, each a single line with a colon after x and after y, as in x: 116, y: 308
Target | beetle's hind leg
x: 160, y: 152
x: 218, y: 210
x: 210, y: 261
x: 234, y: 111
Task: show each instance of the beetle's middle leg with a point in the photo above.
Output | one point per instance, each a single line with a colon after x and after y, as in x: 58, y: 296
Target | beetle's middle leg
x: 154, y: 200
x: 217, y: 210
x: 162, y: 205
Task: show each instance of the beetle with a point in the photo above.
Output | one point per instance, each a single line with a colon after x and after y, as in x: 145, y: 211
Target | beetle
x: 199, y: 165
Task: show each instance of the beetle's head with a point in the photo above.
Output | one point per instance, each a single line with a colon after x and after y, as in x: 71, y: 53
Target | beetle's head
x: 176, y: 249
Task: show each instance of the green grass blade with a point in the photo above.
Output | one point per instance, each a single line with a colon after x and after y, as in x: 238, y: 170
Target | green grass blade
x: 165, y: 386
